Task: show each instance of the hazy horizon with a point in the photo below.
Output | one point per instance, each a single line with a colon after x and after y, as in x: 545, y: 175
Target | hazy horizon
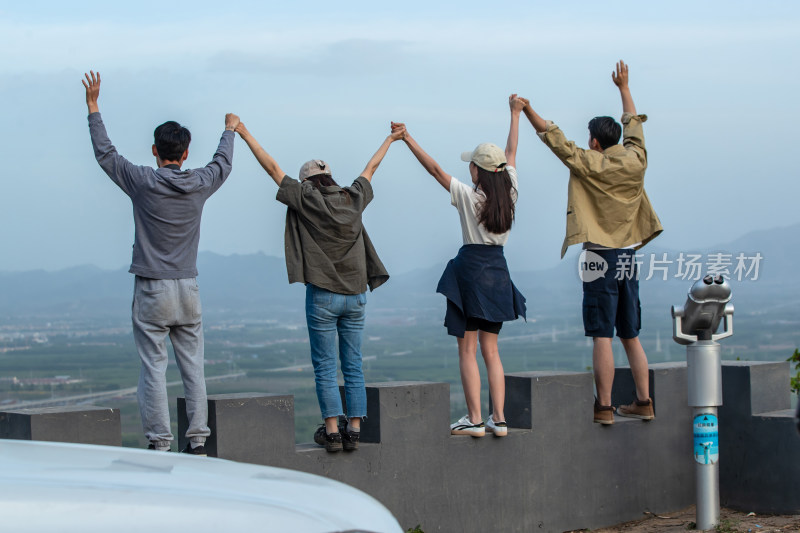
x: 646, y: 254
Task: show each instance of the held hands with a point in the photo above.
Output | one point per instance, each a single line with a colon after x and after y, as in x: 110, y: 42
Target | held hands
x: 620, y: 77
x: 92, y: 85
x: 517, y: 103
x: 398, y: 131
x: 231, y: 121
x: 241, y: 130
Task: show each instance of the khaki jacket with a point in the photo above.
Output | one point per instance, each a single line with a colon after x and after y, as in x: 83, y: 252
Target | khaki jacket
x: 606, y: 200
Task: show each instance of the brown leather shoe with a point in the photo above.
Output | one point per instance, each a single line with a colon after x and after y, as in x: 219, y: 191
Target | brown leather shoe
x: 638, y: 409
x: 603, y: 414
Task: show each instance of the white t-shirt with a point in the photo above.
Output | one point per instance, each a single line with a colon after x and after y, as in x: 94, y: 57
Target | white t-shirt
x: 464, y: 197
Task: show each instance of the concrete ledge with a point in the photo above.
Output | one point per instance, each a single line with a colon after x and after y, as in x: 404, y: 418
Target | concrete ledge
x: 82, y: 425
x: 250, y: 427
x: 555, y: 470
x: 784, y: 413
x: 755, y: 387
x: 533, y: 398
x: 758, y: 440
x: 544, y: 476
x: 407, y: 412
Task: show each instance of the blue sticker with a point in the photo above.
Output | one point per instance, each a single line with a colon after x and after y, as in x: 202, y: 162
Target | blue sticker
x: 706, y: 439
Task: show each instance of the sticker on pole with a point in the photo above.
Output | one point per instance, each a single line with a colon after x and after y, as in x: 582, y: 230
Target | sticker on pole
x: 706, y: 439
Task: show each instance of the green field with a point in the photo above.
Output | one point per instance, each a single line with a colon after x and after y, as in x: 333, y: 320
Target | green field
x: 397, y: 347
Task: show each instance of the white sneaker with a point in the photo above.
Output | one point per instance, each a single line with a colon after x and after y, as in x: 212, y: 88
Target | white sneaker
x: 465, y: 427
x: 498, y: 428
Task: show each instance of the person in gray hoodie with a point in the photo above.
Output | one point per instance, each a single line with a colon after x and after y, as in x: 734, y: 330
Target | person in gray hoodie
x: 167, y: 207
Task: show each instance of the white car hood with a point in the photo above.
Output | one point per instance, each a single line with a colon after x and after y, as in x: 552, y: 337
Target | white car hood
x: 74, y: 487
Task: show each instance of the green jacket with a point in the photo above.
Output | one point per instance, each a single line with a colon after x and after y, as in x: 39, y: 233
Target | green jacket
x: 606, y: 200
x: 325, y: 241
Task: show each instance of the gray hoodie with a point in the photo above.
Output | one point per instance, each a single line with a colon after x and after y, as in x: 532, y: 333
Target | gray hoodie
x: 167, y: 204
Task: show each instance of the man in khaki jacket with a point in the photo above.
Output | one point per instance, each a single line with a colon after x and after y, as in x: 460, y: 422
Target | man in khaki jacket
x: 609, y: 212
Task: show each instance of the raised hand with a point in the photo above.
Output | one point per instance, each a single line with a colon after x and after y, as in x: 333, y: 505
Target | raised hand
x: 620, y: 77
x: 231, y: 121
x: 516, y: 103
x: 399, y: 126
x: 92, y: 85
x: 398, y: 131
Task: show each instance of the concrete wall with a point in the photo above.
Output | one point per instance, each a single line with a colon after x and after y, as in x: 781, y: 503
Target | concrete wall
x: 759, y: 445
x: 555, y: 471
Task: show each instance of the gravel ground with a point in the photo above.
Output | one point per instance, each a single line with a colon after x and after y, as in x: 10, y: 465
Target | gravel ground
x: 730, y: 522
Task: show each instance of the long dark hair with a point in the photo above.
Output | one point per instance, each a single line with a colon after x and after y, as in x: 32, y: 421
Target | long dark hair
x: 496, y: 210
x: 325, y: 180
x: 322, y: 180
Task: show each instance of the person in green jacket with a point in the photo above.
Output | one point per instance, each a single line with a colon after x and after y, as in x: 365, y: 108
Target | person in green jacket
x: 328, y: 250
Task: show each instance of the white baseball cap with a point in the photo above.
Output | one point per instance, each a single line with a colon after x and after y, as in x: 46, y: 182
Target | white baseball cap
x: 488, y: 156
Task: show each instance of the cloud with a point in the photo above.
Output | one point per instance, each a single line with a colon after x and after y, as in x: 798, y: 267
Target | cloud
x: 348, y: 57
x: 347, y: 43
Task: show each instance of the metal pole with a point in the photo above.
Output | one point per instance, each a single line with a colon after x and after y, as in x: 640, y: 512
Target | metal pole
x: 706, y: 473
x: 705, y: 395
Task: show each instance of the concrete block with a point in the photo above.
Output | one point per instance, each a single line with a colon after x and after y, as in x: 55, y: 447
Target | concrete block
x: 753, y: 387
x: 759, y: 444
x: 251, y: 427
x: 82, y: 425
x: 413, y: 412
x: 532, y: 398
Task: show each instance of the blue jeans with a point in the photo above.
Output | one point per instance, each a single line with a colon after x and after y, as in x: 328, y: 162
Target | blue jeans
x: 329, y: 314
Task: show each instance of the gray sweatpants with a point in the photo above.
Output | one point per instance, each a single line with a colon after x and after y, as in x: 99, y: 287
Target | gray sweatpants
x: 171, y: 307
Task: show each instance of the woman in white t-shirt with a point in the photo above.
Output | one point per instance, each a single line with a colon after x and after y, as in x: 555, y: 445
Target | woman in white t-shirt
x: 477, y: 285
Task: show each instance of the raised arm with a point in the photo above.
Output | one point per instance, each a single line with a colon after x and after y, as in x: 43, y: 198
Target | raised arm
x: 92, y: 85
x: 427, y: 161
x: 231, y: 121
x: 620, y: 79
x: 538, y: 123
x: 516, y: 104
x: 266, y: 160
x: 121, y: 171
x: 372, y: 164
x: 220, y: 166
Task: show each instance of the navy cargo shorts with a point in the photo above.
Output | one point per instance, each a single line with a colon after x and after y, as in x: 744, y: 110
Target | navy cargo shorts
x: 613, y: 300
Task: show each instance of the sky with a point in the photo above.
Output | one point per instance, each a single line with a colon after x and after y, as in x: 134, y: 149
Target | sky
x: 718, y: 80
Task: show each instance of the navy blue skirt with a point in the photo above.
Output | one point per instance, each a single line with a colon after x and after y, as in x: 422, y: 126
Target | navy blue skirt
x: 477, y: 284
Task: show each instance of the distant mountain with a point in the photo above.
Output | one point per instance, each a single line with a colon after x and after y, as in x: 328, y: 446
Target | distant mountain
x: 257, y: 283
x: 236, y: 284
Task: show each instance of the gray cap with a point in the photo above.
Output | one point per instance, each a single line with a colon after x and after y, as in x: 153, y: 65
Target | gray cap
x: 314, y: 168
